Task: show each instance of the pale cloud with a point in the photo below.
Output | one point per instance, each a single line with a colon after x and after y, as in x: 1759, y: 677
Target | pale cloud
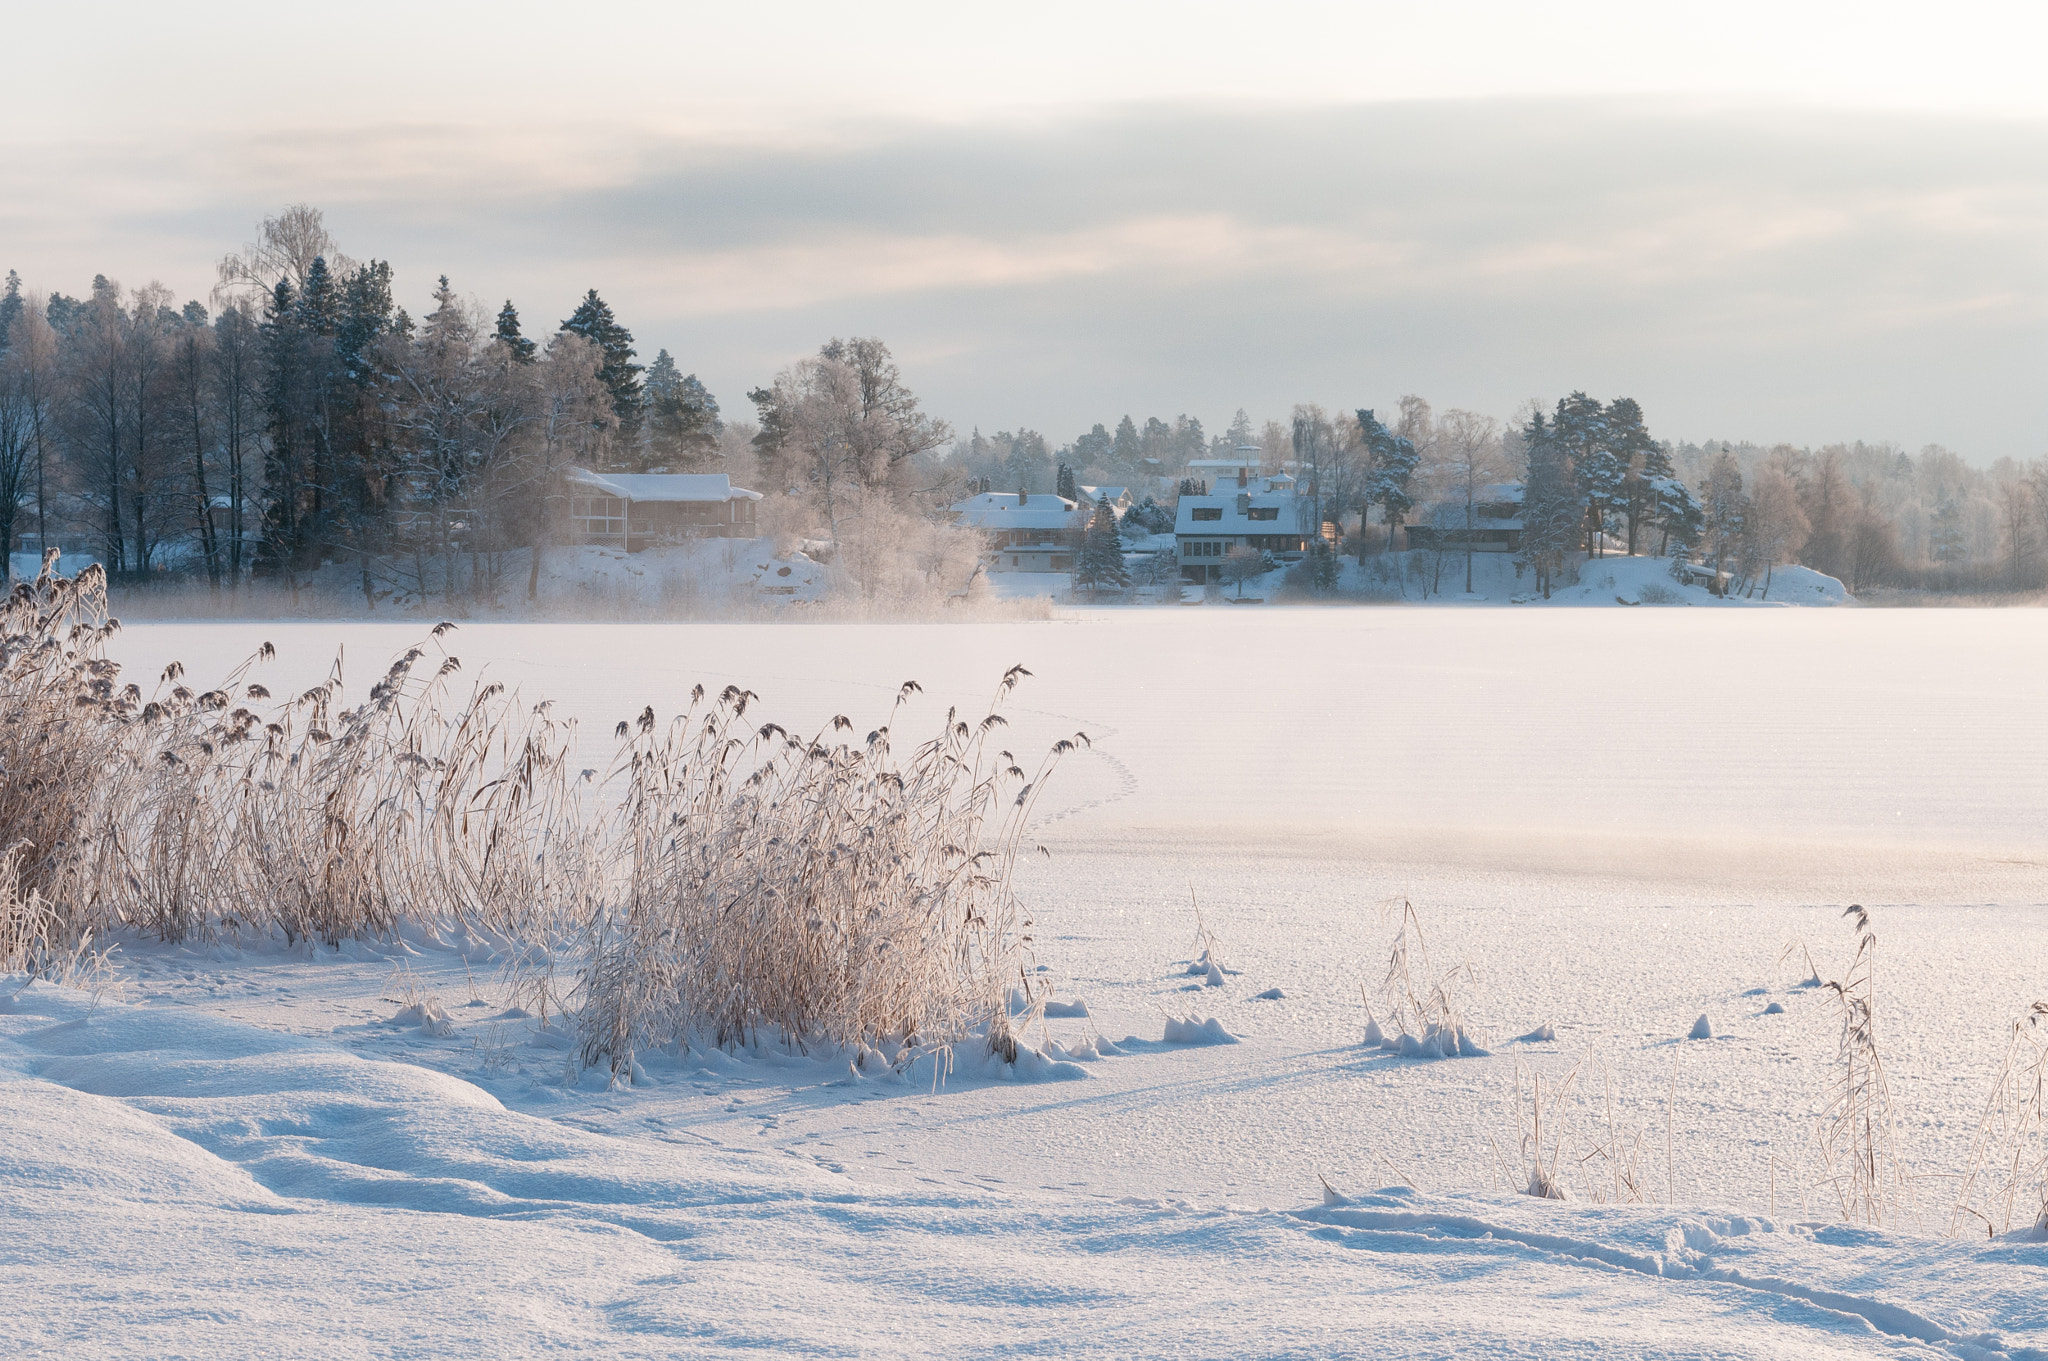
x: 1744, y: 271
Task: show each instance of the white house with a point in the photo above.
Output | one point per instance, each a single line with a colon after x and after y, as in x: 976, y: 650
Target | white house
x: 1027, y: 531
x: 1257, y: 513
x: 638, y: 510
x: 1117, y: 499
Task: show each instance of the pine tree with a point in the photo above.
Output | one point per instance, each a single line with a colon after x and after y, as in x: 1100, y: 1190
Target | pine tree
x: 593, y: 320
x: 508, y: 335
x: 1393, y: 460
x: 1580, y: 428
x: 1643, y: 461
x: 1093, y: 450
x: 1063, y: 483
x: 1101, y: 562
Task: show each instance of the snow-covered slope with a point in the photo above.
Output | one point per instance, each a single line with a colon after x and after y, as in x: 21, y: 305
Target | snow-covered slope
x: 174, y: 1184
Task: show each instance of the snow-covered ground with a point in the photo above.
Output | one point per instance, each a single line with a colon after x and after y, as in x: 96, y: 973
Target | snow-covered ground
x: 1618, y: 818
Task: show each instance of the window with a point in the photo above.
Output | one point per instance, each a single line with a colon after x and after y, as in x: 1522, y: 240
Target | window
x: 1208, y: 512
x: 597, y: 516
x: 1261, y: 513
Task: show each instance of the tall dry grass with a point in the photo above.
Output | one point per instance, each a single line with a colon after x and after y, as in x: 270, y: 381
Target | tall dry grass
x: 728, y: 880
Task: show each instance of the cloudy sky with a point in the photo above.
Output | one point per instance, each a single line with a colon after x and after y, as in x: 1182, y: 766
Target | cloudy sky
x: 1764, y: 221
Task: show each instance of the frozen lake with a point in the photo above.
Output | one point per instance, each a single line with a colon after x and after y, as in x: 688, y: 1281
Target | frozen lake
x: 1617, y: 818
x: 1895, y: 756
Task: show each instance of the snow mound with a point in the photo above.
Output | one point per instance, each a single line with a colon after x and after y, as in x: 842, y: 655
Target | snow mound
x: 1775, y: 1009
x: 1269, y: 995
x: 1539, y: 1035
x: 429, y: 1016
x: 1073, y: 1010
x: 1192, y: 1031
x: 1702, y: 1029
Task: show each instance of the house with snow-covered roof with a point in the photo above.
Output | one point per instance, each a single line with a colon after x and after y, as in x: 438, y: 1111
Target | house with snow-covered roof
x: 1257, y: 513
x: 640, y: 510
x: 1026, y: 531
x: 1117, y: 499
x: 1494, y: 525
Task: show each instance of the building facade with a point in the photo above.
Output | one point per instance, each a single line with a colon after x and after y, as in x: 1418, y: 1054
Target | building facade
x: 1026, y: 531
x: 642, y: 510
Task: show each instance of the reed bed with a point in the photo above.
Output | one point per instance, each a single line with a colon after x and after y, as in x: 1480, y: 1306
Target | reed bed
x: 727, y: 882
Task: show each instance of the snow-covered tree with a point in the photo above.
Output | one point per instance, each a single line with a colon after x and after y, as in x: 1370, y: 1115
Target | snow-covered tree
x: 1063, y: 483
x: 593, y: 320
x: 1552, y: 510
x: 1101, y: 560
x: 1390, y: 472
x: 508, y: 334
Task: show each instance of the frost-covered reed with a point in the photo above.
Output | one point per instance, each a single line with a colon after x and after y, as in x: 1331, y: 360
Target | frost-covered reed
x: 728, y: 881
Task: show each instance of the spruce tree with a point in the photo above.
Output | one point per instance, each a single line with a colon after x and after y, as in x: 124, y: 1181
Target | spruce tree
x: 593, y: 320
x: 1101, y: 562
x: 682, y: 417
x: 1552, y: 509
x: 1063, y: 483
x: 10, y: 308
x: 1123, y: 447
x: 508, y: 335
x: 1580, y: 427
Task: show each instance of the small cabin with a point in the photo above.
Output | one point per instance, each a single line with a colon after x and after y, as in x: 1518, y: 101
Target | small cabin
x: 643, y: 510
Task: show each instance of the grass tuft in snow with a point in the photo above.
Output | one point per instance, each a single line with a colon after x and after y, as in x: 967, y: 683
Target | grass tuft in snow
x: 2005, y: 1183
x: 1856, y: 1134
x: 1423, y: 1015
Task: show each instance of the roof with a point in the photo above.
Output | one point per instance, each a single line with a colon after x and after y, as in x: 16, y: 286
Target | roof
x: 1106, y: 493
x: 646, y: 487
x: 999, y: 510
x: 1234, y: 521
x: 1223, y: 463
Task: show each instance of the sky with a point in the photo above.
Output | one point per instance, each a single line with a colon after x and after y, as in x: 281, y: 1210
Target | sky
x: 1803, y: 222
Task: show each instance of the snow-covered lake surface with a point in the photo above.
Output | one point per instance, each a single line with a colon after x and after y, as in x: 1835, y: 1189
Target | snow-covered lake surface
x: 1618, y: 818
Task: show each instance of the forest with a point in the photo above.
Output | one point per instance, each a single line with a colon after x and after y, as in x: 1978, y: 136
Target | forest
x: 300, y: 423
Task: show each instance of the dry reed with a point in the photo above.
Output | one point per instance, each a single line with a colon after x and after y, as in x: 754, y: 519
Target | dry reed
x: 728, y: 881
x: 1856, y: 1132
x: 2005, y: 1183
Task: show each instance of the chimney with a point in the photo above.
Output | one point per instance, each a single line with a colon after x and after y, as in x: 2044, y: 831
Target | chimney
x: 1244, y: 502
x: 1243, y: 476
x: 1022, y: 496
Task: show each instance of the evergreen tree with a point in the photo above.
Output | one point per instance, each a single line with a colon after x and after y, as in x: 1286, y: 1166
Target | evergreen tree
x: 1552, y: 509
x: 1945, y: 541
x: 1063, y: 483
x: 682, y: 418
x: 11, y: 305
x: 1124, y: 450
x: 1095, y: 449
x: 1101, y: 561
x: 508, y: 335
x: 593, y: 320
x: 1240, y: 432
x: 1580, y: 427
x: 1322, y: 567
x: 1678, y: 515
x: 1392, y: 462
x: 1726, y: 512
x: 1643, y: 460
